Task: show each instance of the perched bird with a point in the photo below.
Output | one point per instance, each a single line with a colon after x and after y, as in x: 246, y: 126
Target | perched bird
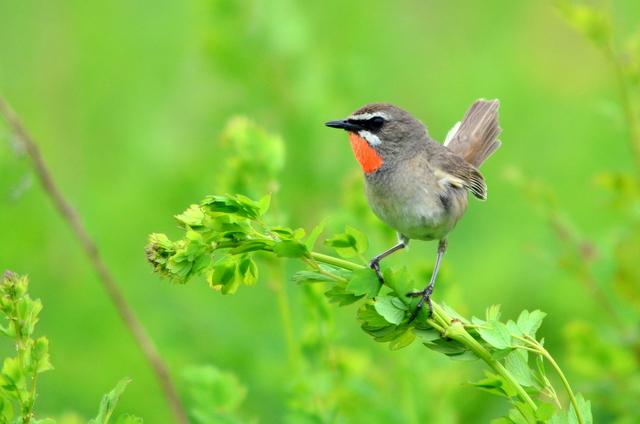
x: 414, y: 184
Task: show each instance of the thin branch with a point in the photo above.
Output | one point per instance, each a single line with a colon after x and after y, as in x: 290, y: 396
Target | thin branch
x: 73, y: 219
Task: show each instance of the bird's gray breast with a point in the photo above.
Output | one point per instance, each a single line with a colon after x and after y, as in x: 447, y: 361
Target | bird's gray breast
x: 413, y: 202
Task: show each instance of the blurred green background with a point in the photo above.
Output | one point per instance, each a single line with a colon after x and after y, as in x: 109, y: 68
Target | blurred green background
x: 128, y: 100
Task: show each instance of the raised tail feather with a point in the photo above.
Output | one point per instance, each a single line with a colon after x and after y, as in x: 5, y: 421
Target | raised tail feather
x: 475, y: 139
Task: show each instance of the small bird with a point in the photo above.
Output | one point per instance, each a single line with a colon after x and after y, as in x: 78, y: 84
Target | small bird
x: 414, y: 184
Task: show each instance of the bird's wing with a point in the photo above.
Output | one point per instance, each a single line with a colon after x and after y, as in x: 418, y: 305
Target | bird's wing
x: 455, y: 171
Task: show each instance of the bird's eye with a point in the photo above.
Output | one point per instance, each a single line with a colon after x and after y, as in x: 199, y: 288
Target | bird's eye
x: 376, y: 123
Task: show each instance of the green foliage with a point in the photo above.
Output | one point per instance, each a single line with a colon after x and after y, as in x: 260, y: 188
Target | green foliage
x: 20, y: 374
x: 224, y: 230
x: 215, y: 396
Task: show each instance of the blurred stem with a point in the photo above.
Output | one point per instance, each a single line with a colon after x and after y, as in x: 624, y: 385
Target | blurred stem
x: 626, y: 98
x: 91, y: 250
x: 277, y: 284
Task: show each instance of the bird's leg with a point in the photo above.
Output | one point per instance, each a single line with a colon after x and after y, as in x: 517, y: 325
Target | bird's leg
x: 375, y: 262
x: 426, y: 293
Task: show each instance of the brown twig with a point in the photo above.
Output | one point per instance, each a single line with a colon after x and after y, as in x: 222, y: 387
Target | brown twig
x: 71, y: 216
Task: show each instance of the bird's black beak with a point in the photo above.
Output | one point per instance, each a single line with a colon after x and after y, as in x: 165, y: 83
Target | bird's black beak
x: 344, y: 124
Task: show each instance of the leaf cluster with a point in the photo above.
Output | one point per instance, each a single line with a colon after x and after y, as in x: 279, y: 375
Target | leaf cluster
x: 224, y: 232
x: 19, y: 375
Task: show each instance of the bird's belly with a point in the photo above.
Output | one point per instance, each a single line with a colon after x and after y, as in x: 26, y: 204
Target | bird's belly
x: 417, y: 213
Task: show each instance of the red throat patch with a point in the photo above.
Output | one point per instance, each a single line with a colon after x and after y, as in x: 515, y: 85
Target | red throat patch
x: 368, y: 158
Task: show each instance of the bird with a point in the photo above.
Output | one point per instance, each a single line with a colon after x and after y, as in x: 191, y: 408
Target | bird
x: 414, y: 184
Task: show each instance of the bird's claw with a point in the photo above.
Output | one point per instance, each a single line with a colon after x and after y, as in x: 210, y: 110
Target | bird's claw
x: 426, y: 297
x: 375, y: 265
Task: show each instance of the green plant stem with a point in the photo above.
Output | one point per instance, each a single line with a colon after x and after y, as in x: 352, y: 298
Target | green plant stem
x: 71, y: 216
x: 542, y: 351
x: 464, y: 337
x: 330, y: 260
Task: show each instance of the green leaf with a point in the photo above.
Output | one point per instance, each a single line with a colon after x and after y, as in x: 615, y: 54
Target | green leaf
x: 6, y: 410
x: 529, y: 323
x: 311, y: 240
x: 403, y: 340
x: 311, y: 277
x: 401, y: 283
x: 518, y: 368
x: 110, y: 400
x: 523, y: 414
x: 13, y: 374
x: 129, y: 419
x: 427, y: 334
x: 252, y: 246
x: 225, y: 276
x: 290, y: 249
x: 584, y: 406
x: 545, y: 411
x: 370, y: 318
x: 389, y: 310
x: 264, y: 203
x: 362, y: 244
x: 248, y: 270
x: 365, y: 281
x: 339, y: 294
x: 40, y: 353
x: 560, y: 417
x: 448, y: 347
x: 192, y: 217
x: 501, y: 353
x: 497, y: 335
x: 344, y: 245
x: 492, y: 385
x: 493, y: 313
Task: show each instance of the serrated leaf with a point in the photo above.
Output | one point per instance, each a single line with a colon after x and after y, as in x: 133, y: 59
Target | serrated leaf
x: 560, y: 417
x: 523, y: 414
x: 529, y: 323
x: 497, y: 335
x: 401, y: 283
x: 386, y: 308
x: 290, y: 249
x: 584, y: 406
x: 403, y: 341
x: 501, y: 353
x: 518, y: 368
x: 545, y: 411
x: 339, y: 294
x: 370, y: 318
x: 449, y: 310
x: 365, y: 281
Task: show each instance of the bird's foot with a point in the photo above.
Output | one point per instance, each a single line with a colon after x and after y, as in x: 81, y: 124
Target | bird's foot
x: 375, y: 265
x: 426, y: 297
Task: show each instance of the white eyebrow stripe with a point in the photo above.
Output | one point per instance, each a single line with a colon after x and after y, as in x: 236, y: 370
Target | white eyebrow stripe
x: 371, y: 138
x: 366, y: 116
